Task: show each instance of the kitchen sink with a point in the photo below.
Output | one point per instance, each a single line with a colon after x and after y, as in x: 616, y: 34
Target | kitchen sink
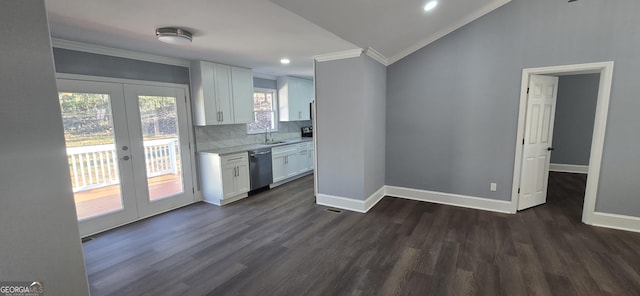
x: 269, y: 144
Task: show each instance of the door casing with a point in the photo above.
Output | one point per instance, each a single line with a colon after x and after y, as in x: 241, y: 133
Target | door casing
x: 605, y: 69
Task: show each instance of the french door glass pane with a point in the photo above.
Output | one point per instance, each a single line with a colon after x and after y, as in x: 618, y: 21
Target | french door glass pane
x: 91, y: 152
x: 159, y: 122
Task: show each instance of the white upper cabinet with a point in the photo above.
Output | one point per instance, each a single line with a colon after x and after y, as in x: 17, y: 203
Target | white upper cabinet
x: 221, y: 93
x: 222, y: 86
x: 294, y: 96
x: 242, y: 82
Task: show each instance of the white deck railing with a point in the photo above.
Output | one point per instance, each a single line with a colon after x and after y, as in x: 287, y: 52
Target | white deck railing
x: 97, y: 166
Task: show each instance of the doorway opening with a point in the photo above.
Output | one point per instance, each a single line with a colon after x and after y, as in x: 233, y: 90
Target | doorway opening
x: 523, y: 172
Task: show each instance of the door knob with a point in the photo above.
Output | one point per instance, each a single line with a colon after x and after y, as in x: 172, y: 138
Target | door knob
x: 551, y: 149
x: 125, y: 148
x: 125, y: 158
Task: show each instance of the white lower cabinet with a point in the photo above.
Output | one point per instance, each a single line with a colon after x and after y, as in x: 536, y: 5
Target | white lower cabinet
x: 284, y: 161
x: 305, y: 156
x: 224, y: 178
x: 310, y: 155
x: 291, y: 160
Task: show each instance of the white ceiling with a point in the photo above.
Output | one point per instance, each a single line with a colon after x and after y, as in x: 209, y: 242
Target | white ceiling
x: 257, y: 33
x: 393, y: 28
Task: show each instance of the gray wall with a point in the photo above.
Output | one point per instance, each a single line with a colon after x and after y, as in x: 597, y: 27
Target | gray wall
x: 339, y: 134
x: 374, y: 104
x: 39, y: 234
x: 575, y: 114
x: 350, y: 110
x: 264, y: 83
x: 453, y: 105
x: 84, y: 63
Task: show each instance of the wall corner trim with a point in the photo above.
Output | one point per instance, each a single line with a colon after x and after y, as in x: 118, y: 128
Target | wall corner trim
x: 569, y: 168
x: 115, y: 52
x: 350, y: 204
x: 347, y: 54
x: 457, y: 200
x: 374, y: 54
x: 620, y: 222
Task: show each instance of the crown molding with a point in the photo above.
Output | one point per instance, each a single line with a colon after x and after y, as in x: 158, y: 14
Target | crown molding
x: 121, y: 53
x: 468, y: 19
x: 264, y: 76
x: 353, y: 53
x: 374, y: 54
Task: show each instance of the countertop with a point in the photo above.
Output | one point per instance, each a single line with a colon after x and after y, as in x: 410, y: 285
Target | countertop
x: 244, y: 148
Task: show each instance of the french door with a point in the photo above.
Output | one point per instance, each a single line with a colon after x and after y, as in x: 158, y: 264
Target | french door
x: 128, y: 150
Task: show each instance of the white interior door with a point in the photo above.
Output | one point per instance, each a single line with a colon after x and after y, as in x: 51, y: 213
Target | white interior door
x: 541, y: 107
x: 128, y: 151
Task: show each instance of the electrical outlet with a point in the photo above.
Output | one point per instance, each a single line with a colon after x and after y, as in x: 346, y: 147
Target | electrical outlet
x: 494, y: 186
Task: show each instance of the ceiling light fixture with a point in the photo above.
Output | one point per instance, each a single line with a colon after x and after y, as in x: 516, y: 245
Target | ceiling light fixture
x: 430, y: 5
x: 285, y: 61
x: 173, y: 35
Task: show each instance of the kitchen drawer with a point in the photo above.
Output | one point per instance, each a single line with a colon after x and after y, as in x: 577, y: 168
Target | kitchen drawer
x: 235, y: 159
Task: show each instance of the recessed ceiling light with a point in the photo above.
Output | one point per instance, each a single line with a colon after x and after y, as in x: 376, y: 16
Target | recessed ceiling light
x: 285, y: 61
x: 430, y: 5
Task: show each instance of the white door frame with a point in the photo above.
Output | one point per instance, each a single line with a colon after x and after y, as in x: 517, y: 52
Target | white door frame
x: 605, y: 69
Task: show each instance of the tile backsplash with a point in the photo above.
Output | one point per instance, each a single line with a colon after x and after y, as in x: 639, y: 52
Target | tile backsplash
x: 220, y: 136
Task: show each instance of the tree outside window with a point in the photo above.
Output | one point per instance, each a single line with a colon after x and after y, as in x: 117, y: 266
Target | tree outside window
x: 265, y: 114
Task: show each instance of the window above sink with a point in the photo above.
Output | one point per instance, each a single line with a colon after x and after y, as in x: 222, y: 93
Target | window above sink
x: 265, y: 111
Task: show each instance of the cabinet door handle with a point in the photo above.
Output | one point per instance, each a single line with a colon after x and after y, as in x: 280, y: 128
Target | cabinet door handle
x: 222, y: 116
x: 235, y: 171
x: 299, y: 114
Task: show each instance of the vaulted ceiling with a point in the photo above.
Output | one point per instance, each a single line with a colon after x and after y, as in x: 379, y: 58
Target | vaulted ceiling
x: 258, y: 33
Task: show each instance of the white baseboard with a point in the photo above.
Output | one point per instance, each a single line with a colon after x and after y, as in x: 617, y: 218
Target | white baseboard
x: 374, y: 198
x: 621, y: 222
x: 360, y: 206
x: 569, y: 168
x: 451, y: 199
x: 363, y: 206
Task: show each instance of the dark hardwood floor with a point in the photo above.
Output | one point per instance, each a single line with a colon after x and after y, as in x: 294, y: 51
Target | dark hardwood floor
x: 280, y: 243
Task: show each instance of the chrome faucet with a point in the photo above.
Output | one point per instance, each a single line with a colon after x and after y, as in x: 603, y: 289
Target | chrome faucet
x: 267, y: 134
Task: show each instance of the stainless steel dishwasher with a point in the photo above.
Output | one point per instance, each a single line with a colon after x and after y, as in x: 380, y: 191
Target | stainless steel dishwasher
x: 260, y: 172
